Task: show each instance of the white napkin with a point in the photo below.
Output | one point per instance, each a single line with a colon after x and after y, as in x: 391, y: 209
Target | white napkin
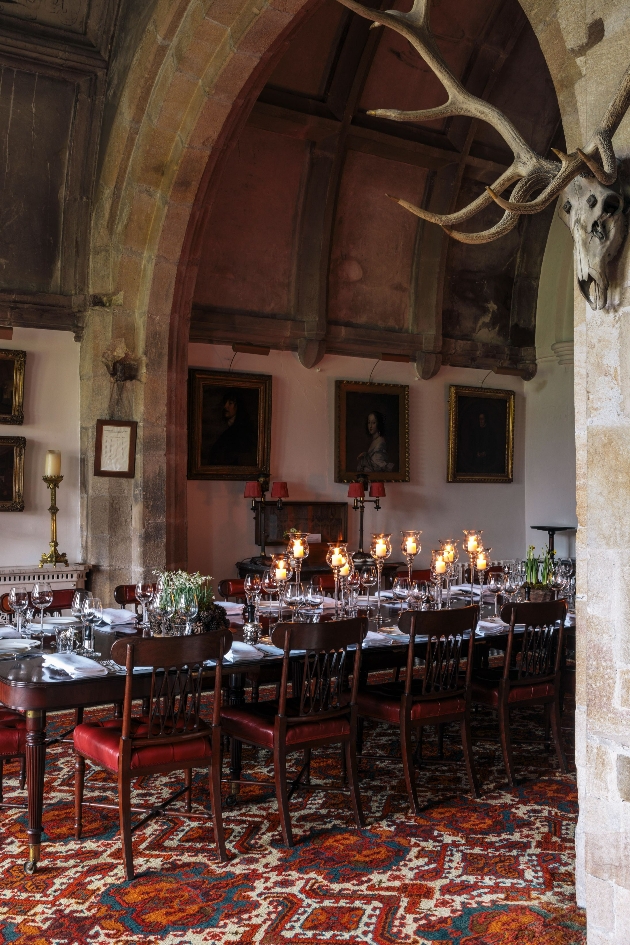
x: 114, y: 617
x: 75, y: 665
x: 570, y: 621
x: 9, y: 633
x: 231, y: 608
x: 464, y: 589
x: 372, y: 638
x: 243, y: 651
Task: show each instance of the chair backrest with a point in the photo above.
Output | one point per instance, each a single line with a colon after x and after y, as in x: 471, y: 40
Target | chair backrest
x: 231, y: 587
x: 62, y: 600
x: 325, y: 667
x: 177, y: 665
x: 537, y: 653
x: 451, y: 637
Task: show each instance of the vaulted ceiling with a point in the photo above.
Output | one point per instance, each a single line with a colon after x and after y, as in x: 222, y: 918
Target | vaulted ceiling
x: 302, y: 248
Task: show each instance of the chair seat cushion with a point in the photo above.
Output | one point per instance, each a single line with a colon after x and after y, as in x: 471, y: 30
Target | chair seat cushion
x: 254, y: 723
x: 100, y: 742
x: 486, y: 691
x: 383, y: 703
x: 12, y: 733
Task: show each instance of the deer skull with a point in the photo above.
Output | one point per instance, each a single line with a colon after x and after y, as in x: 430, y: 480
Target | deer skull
x: 594, y: 214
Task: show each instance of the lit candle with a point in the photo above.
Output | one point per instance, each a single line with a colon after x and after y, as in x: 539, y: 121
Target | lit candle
x: 281, y: 573
x: 345, y: 571
x: 440, y: 566
x: 337, y: 559
x: 53, y: 463
x: 449, y: 554
x: 412, y: 548
x: 473, y: 544
x: 380, y: 549
x: 482, y: 564
x: 298, y: 548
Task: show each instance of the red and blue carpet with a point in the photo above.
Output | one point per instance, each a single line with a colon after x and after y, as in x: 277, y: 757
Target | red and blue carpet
x: 497, y: 871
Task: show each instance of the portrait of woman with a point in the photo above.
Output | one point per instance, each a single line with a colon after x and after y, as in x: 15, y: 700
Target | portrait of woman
x: 374, y: 459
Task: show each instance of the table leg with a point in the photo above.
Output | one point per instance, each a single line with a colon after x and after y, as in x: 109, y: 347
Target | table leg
x: 35, y: 769
x: 236, y: 696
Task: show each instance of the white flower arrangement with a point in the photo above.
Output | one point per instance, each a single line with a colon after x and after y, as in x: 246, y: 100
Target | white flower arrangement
x: 180, y: 584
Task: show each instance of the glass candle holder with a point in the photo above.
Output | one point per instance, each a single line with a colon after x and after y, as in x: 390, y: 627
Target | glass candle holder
x: 482, y: 563
x: 282, y: 572
x: 438, y: 574
x: 472, y: 545
x: 450, y: 553
x: 410, y: 547
x: 337, y: 557
x: 297, y: 551
x: 380, y: 549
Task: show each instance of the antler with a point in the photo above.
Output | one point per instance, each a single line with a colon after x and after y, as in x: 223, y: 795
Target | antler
x: 533, y: 172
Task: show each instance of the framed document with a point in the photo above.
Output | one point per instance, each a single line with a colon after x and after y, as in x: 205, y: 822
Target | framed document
x: 115, y: 449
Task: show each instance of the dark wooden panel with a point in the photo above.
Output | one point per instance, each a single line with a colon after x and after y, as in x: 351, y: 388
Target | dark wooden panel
x: 328, y: 519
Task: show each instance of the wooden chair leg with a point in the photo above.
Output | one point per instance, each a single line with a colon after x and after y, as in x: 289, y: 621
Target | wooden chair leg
x: 78, y: 716
x: 255, y: 690
x: 188, y: 795
x: 360, y: 735
x: 407, y: 760
x: 557, y: 736
x: 353, y: 782
x: 79, y: 781
x: 506, y: 743
x: 22, y: 773
x: 118, y: 710
x: 124, y: 812
x: 215, y: 796
x: 469, y: 758
x: 417, y: 755
x: 280, y: 775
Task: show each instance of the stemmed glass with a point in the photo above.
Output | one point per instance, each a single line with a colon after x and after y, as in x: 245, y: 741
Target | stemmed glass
x: 353, y: 585
x: 380, y: 549
x: 410, y: 547
x: 92, y: 614
x: 438, y: 573
x: 368, y: 580
x: 42, y: 597
x: 18, y: 599
x: 450, y: 554
x: 269, y: 586
x: 473, y: 545
x: 188, y: 607
x: 295, y: 599
x: 401, y: 589
x: 253, y: 590
x: 313, y: 599
x: 144, y: 596
x: 76, y: 609
x: 496, y: 583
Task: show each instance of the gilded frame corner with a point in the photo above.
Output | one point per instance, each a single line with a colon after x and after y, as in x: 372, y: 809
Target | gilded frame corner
x: 454, y: 471
x: 19, y: 364
x: 16, y: 503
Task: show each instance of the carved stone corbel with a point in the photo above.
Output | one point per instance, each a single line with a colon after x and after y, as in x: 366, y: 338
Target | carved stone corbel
x: 427, y: 364
x: 311, y: 351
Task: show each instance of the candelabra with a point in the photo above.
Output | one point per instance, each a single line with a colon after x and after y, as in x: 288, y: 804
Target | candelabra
x: 410, y: 547
x: 380, y: 549
x: 473, y: 545
x: 298, y: 550
x: 54, y: 557
x: 337, y: 557
x: 356, y: 492
x: 256, y: 490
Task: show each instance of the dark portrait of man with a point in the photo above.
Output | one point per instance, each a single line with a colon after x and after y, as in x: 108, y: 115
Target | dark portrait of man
x: 481, y: 437
x: 7, y: 460
x: 236, y: 444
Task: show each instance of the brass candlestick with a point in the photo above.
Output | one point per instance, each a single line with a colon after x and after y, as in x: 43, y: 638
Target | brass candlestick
x: 53, y: 557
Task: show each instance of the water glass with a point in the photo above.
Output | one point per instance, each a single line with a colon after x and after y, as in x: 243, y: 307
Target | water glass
x: 18, y: 601
x: 144, y: 596
x: 65, y: 639
x: 188, y: 607
x: 92, y: 614
x: 400, y: 589
x: 42, y: 597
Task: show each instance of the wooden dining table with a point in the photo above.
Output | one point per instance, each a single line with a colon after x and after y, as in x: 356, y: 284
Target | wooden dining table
x: 29, y: 686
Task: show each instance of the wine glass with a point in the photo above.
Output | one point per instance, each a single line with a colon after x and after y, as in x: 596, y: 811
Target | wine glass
x: 294, y: 598
x: 496, y: 583
x: 368, y: 580
x: 401, y: 588
x: 18, y: 600
x: 189, y: 608
x: 92, y: 614
x: 253, y: 590
x: 76, y: 608
x: 353, y: 585
x: 42, y: 597
x: 144, y: 596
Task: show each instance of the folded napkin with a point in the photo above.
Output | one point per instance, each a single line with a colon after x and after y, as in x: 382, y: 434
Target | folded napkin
x: 115, y: 617
x: 486, y: 628
x: 269, y: 649
x: 570, y: 621
x: 464, y: 589
x: 230, y: 607
x: 75, y: 665
x: 9, y: 633
x: 372, y: 638
x: 243, y: 651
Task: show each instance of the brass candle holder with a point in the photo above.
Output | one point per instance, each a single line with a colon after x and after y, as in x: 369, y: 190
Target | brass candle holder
x: 53, y: 557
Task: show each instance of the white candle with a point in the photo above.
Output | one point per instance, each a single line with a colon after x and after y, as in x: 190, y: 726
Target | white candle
x: 298, y: 549
x: 281, y: 574
x: 52, y: 466
x: 472, y: 543
x: 449, y: 555
x: 345, y: 571
x: 412, y: 548
x: 440, y: 566
x: 337, y: 559
x: 482, y: 564
x: 380, y: 549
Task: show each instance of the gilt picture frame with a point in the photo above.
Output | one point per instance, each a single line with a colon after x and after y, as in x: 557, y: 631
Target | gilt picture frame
x: 229, y: 425
x: 480, y: 435
x: 12, y: 450
x: 371, y: 431
x: 12, y: 368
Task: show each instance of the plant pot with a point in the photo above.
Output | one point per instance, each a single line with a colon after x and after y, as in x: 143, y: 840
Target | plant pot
x: 538, y: 593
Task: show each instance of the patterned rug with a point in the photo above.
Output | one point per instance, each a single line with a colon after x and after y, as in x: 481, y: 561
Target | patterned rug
x: 496, y: 871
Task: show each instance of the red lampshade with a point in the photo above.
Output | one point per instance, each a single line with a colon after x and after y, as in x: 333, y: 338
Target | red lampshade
x: 253, y: 490
x: 279, y: 490
x: 356, y: 491
x: 377, y: 490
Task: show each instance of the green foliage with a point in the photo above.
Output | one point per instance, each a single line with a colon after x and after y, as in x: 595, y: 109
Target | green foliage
x: 178, y: 584
x: 538, y: 570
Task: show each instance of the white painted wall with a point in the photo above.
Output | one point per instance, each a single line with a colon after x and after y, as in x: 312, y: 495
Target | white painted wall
x: 220, y: 523
x: 51, y: 421
x: 550, y: 427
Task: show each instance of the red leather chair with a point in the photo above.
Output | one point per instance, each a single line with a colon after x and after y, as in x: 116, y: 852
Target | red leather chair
x: 170, y: 737
x: 62, y: 600
x: 232, y: 587
x: 320, y: 711
x: 12, y: 742
x: 126, y: 594
x: 531, y: 672
x: 441, y: 694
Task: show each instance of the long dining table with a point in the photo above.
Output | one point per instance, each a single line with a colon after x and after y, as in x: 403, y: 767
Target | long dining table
x: 30, y: 686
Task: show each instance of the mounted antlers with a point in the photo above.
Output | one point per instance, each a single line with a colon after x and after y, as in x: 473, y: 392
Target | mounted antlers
x: 533, y: 172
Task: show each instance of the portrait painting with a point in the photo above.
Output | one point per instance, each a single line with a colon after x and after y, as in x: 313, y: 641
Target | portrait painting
x: 481, y: 435
x: 371, y: 431
x: 229, y: 425
x: 12, y: 365
x: 12, y: 473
